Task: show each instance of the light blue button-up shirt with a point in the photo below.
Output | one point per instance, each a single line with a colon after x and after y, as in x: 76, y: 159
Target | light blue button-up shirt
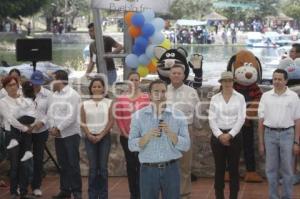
x: 158, y: 149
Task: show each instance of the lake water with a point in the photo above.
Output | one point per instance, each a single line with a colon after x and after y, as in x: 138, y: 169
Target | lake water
x: 215, y: 58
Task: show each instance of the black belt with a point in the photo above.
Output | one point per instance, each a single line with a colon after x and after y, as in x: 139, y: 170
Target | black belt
x: 160, y: 165
x: 279, y: 129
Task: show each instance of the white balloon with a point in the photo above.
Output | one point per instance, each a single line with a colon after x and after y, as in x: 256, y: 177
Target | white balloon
x: 148, y: 15
x: 158, y: 24
x: 132, y: 61
x: 144, y: 59
x: 150, y: 51
x: 157, y: 38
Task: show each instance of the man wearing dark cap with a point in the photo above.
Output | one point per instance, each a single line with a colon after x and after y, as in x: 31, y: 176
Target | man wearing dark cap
x: 40, y: 132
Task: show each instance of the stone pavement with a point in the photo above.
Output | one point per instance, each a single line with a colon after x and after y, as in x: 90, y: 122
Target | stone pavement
x: 118, y: 189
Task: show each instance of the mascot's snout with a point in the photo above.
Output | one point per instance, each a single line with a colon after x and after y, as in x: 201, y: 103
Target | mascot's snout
x: 246, y: 74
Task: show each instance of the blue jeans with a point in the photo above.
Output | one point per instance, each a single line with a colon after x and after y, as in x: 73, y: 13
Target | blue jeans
x: 98, y: 173
x: 279, y: 159
x: 111, y: 76
x: 67, y: 153
x: 153, y: 180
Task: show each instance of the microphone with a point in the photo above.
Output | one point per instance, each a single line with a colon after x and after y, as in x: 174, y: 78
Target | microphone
x: 160, y: 129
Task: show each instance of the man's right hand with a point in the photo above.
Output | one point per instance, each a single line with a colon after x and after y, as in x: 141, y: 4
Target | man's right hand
x: 225, y: 139
x: 54, y: 132
x: 155, y: 132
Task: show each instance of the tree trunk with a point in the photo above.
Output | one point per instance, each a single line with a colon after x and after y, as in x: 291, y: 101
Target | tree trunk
x: 48, y: 24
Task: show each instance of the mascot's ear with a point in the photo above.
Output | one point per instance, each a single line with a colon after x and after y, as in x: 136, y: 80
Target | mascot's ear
x: 230, y: 66
x: 182, y: 51
x: 159, y: 51
x: 259, y: 78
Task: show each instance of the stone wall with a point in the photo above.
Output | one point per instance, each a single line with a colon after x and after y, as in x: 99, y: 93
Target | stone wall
x: 203, y: 164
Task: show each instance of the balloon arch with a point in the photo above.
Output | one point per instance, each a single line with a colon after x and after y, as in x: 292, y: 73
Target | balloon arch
x: 146, y: 31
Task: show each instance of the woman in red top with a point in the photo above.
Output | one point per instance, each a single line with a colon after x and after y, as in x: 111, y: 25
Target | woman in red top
x: 125, y: 106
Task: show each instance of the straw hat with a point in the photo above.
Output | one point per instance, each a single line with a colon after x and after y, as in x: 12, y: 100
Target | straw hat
x: 226, y: 75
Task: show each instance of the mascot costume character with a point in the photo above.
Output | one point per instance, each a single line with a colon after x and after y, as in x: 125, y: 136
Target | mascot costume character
x: 248, y: 72
x: 168, y: 58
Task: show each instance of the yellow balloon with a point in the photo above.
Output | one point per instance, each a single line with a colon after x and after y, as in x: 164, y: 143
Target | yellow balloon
x: 154, y: 60
x: 143, y: 71
x: 166, y: 44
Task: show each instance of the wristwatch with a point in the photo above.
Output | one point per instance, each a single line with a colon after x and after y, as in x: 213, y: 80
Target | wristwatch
x: 297, y: 143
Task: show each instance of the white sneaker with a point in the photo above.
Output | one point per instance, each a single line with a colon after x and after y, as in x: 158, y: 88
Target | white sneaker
x: 37, y: 192
x: 12, y: 144
x: 27, y: 156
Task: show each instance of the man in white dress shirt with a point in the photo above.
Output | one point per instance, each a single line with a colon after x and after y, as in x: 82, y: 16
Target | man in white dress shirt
x: 185, y: 99
x: 278, y: 138
x: 64, y: 125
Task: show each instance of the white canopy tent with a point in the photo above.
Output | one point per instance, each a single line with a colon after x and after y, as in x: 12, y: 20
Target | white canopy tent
x: 188, y: 22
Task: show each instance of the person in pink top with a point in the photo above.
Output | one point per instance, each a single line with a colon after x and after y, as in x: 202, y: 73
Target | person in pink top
x: 125, y: 106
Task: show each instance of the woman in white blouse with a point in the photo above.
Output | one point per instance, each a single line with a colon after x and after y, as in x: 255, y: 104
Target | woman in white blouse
x: 17, y: 74
x: 9, y: 107
x: 96, y: 122
x: 227, y: 113
x: 26, y: 115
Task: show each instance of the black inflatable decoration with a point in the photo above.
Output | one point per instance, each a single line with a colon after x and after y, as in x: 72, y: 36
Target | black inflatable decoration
x: 168, y: 58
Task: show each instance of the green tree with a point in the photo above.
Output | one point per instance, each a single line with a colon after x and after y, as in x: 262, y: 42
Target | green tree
x: 56, y: 8
x: 292, y: 9
x: 191, y: 9
x: 267, y: 8
x: 247, y: 9
x: 17, y: 8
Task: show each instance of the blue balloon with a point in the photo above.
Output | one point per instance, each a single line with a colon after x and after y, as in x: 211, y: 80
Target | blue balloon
x: 158, y: 23
x: 138, y: 50
x: 144, y: 60
x: 138, y: 20
x: 132, y: 61
x: 150, y: 51
x: 157, y: 38
x: 148, y: 30
x: 148, y: 15
x: 142, y: 42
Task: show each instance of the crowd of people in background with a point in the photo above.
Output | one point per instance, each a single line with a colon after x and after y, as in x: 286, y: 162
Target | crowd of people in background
x: 15, y: 27
x: 206, y: 34
x: 18, y: 27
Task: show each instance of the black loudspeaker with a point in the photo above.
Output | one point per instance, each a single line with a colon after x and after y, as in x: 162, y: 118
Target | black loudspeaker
x: 34, y: 49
